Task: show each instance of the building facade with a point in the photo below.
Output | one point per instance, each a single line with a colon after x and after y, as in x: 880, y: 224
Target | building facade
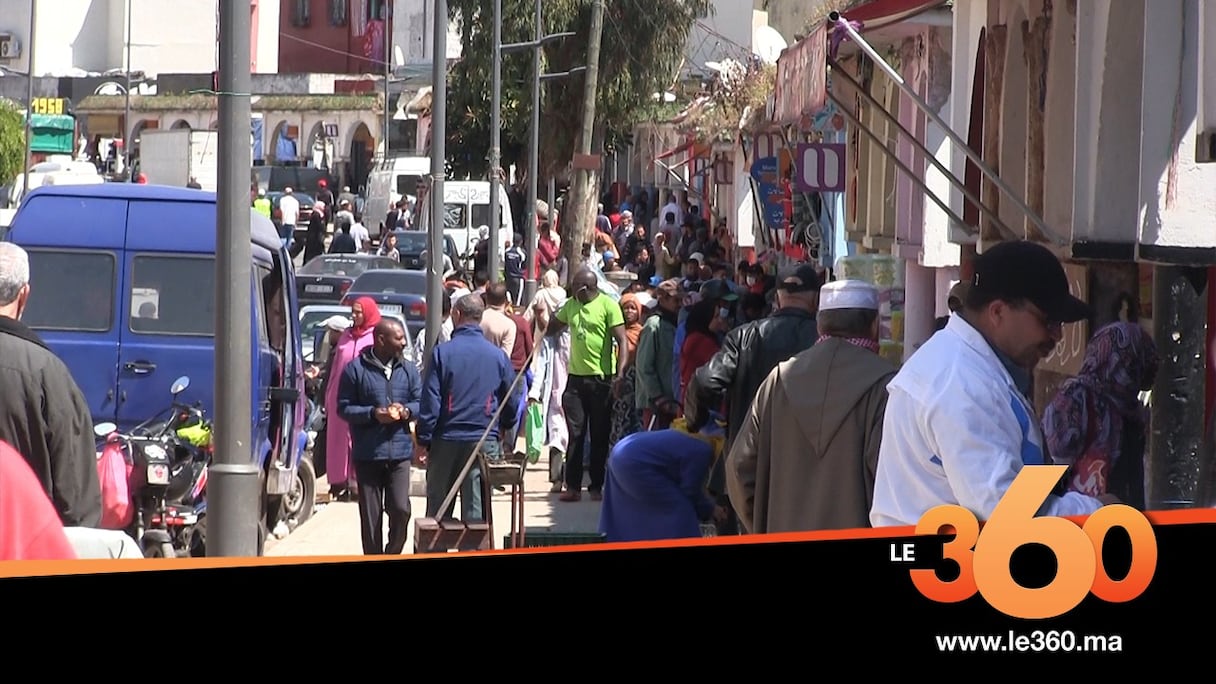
x: 80, y: 37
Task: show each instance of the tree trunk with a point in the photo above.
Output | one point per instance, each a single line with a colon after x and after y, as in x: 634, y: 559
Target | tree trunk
x: 579, y: 212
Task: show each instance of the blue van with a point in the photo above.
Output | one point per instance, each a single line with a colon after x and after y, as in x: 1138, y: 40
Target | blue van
x: 122, y: 288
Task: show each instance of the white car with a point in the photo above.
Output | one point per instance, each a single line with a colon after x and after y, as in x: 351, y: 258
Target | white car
x: 313, y: 316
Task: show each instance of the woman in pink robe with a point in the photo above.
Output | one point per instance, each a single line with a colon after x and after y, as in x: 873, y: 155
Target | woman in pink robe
x: 364, y: 315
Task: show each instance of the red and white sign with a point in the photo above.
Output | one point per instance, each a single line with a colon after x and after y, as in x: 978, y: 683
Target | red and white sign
x: 802, y: 79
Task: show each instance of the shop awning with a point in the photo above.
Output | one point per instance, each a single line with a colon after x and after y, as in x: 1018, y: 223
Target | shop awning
x: 802, y: 68
x: 53, y: 133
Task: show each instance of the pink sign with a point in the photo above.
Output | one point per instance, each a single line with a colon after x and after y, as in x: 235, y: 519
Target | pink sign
x: 801, y: 79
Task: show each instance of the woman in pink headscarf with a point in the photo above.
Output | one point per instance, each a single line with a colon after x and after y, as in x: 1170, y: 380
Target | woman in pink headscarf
x: 364, y: 315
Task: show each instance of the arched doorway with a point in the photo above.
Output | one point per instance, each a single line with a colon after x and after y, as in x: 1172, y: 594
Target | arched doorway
x: 316, y: 150
x: 181, y: 124
x: 362, y: 149
x: 284, y: 149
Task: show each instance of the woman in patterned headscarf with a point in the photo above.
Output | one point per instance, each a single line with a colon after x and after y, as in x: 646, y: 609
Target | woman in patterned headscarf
x: 1096, y: 423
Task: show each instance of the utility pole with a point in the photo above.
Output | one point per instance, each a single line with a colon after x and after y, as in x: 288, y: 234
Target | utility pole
x: 29, y: 98
x: 530, y: 236
x: 439, y: 115
x: 582, y: 200
x: 126, y: 117
x: 388, y: 52
x: 495, y: 145
x: 235, y: 489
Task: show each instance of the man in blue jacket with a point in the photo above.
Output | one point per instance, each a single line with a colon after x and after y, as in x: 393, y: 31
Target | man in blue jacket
x: 378, y: 395
x: 467, y: 380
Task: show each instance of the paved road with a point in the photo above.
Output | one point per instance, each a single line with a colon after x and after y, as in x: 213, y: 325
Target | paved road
x: 333, y: 529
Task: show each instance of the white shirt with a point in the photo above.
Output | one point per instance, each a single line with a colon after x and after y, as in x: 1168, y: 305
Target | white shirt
x: 359, y: 232
x: 957, y: 431
x: 289, y: 207
x: 673, y: 208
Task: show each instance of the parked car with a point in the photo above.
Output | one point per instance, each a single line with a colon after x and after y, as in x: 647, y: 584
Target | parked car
x: 328, y: 276
x: 311, y: 330
x: 306, y: 202
x: 395, y: 291
x: 413, y: 244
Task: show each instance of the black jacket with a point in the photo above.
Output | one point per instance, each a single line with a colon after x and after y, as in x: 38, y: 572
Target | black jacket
x: 44, y: 415
x: 748, y: 354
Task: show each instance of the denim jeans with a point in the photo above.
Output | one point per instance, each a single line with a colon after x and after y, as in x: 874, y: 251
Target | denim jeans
x: 444, y: 462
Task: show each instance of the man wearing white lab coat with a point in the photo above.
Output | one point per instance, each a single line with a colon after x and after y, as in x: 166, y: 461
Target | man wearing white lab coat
x: 959, y: 426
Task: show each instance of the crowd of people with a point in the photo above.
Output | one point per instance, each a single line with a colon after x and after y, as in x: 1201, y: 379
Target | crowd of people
x: 704, y: 397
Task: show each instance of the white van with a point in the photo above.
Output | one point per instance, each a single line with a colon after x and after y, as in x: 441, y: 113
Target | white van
x: 389, y: 182
x: 467, y: 209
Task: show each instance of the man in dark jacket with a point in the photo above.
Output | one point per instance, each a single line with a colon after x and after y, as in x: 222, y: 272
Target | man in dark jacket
x: 43, y: 413
x: 467, y: 380
x: 378, y: 395
x: 748, y: 354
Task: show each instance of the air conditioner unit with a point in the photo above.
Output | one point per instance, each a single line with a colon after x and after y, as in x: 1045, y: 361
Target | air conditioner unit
x: 10, y: 47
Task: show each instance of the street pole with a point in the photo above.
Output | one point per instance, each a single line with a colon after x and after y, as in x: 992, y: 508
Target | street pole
x: 578, y: 231
x: 439, y: 114
x: 533, y: 167
x: 388, y: 49
x: 495, y: 143
x: 29, y: 99
x: 126, y: 117
x: 235, y: 490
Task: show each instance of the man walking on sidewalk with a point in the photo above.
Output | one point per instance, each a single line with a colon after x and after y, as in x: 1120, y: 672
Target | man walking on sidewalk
x: 596, y: 370
x: 378, y: 395
x: 467, y: 379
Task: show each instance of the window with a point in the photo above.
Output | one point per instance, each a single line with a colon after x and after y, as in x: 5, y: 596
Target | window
x: 339, y: 12
x: 173, y: 295
x: 71, y: 290
x: 481, y: 215
x: 301, y: 13
x: 376, y: 10
x: 408, y: 184
x: 401, y: 282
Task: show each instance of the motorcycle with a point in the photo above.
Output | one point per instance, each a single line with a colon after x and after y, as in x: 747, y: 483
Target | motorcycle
x: 167, y: 461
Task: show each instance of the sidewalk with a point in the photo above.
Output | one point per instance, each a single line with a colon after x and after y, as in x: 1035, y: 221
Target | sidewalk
x: 333, y: 529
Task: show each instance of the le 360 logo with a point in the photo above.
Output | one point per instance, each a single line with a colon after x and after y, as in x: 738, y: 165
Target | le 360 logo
x: 983, y: 559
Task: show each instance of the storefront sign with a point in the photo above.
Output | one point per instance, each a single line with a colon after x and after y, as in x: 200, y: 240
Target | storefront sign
x: 801, y: 79
x: 767, y: 172
x: 820, y: 167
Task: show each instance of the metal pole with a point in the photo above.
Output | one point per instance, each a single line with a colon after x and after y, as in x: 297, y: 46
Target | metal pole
x: 495, y: 144
x: 551, y: 197
x: 929, y: 155
x: 388, y: 49
x: 891, y: 73
x: 912, y: 176
x: 29, y: 100
x: 235, y: 489
x: 439, y: 97
x: 126, y: 117
x: 531, y: 237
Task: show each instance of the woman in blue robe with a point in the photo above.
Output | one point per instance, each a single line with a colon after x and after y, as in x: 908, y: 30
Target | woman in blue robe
x: 654, y: 488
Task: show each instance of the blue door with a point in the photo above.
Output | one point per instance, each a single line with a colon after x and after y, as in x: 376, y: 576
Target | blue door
x: 75, y: 245
x: 72, y: 307
x: 167, y: 332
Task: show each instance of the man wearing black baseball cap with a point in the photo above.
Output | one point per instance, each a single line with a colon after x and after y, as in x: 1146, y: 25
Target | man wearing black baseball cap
x: 959, y: 424
x: 748, y: 354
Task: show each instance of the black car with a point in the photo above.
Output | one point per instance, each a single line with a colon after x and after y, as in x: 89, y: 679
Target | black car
x: 328, y: 277
x: 413, y: 244
x: 395, y: 291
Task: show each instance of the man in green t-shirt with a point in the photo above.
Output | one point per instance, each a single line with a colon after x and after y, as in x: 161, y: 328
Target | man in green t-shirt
x: 595, y: 371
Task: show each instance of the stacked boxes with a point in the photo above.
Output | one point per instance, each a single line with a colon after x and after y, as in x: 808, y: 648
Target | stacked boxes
x: 886, y: 273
